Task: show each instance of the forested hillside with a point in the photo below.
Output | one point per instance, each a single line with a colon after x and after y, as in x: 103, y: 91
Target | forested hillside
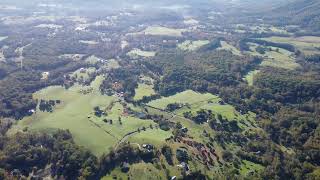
x: 302, y: 12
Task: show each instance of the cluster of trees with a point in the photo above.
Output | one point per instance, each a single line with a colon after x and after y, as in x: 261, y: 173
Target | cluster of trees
x: 38, y: 154
x: 173, y: 106
x: 147, y: 99
x: 163, y: 123
x: 121, y: 80
x: 182, y: 155
x: 167, y: 152
x: 201, y: 116
x: 31, y: 152
x: 214, y: 44
x: 199, y: 71
x: 48, y: 105
x: 285, y: 87
x: 17, y: 85
x: 127, y: 154
x: 98, y: 112
x: 16, y: 93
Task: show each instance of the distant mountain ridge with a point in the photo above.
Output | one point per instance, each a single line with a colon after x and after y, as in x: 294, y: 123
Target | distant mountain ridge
x: 302, y: 12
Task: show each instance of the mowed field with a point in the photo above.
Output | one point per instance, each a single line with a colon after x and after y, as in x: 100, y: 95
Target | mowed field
x: 76, y: 113
x: 306, y: 44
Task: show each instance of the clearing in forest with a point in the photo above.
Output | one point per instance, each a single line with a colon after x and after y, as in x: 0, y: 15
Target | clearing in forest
x: 143, y: 90
x: 274, y: 57
x: 185, y: 97
x: 307, y: 44
x: 163, y: 31
x: 135, y: 53
x: 228, y: 47
x: 192, y: 45
x: 250, y: 77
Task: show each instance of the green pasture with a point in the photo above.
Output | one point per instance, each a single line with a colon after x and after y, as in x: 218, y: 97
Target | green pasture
x: 143, y: 90
x: 306, y: 44
x: 72, y: 114
x: 163, y: 31
x: 275, y: 57
x: 192, y: 45
x: 228, y: 47
x: 140, y: 53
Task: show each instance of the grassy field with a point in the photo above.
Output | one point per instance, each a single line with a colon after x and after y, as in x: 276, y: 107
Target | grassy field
x: 156, y: 137
x: 279, y: 60
x: 76, y: 113
x: 207, y: 101
x: 306, y: 44
x: 138, y: 52
x: 129, y: 123
x: 195, y: 129
x: 163, y: 31
x: 72, y: 114
x: 249, y: 77
x: 192, y: 45
x: 143, y: 90
x: 228, y: 47
x: 192, y: 97
x: 275, y: 57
